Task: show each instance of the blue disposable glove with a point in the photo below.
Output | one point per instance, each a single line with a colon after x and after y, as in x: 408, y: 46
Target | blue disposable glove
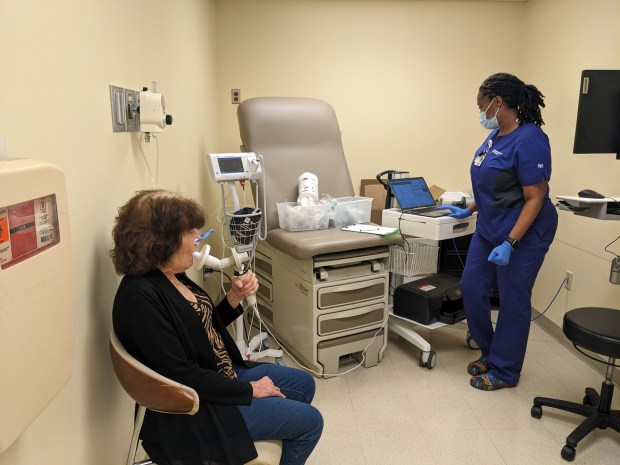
x: 500, y: 255
x: 456, y: 211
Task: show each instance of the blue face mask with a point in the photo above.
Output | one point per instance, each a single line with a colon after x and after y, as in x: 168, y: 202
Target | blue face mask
x: 489, y: 123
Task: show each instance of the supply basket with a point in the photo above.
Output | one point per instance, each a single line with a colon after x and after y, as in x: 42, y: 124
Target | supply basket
x: 303, y: 217
x: 416, y: 259
x: 243, y: 227
x: 350, y: 210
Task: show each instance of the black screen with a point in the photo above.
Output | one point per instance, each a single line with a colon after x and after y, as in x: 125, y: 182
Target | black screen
x: 230, y: 165
x: 598, y: 114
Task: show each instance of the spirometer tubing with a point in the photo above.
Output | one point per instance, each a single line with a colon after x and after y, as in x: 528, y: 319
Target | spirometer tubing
x: 260, y: 158
x: 233, y: 194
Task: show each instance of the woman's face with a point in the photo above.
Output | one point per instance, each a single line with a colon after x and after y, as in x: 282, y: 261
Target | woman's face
x: 183, y: 259
x: 487, y: 105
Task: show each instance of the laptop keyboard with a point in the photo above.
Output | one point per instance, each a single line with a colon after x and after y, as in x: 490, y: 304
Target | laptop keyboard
x: 420, y: 210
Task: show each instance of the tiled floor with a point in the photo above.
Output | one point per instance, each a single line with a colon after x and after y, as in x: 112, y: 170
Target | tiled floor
x: 399, y: 413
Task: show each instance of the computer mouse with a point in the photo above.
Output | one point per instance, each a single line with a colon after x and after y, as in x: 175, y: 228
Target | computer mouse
x: 590, y: 194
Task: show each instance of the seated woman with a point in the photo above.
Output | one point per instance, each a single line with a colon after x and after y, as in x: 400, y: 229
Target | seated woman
x: 171, y: 325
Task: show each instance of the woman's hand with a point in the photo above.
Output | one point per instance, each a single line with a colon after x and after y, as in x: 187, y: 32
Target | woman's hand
x: 456, y: 212
x: 264, y: 387
x: 240, y: 289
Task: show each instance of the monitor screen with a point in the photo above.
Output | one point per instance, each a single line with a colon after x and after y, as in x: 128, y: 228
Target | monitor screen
x: 598, y: 113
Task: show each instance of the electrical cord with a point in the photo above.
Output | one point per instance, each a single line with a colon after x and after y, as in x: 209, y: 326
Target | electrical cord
x: 594, y: 358
x: 552, y: 300
x: 302, y: 366
x: 609, y: 251
x: 154, y: 180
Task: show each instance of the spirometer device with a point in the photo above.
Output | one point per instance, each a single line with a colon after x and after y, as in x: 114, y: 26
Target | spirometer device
x: 36, y: 293
x: 242, y: 231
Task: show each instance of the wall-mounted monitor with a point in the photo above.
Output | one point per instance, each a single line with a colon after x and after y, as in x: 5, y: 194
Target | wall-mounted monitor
x: 598, y: 113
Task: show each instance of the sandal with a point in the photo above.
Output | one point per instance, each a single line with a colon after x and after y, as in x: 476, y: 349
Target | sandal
x: 478, y: 367
x: 488, y: 382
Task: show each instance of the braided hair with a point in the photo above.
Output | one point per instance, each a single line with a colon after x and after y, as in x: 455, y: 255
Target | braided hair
x: 525, y: 98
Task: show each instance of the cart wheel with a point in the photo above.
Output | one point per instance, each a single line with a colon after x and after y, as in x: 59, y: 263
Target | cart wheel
x: 280, y: 361
x: 470, y: 342
x: 568, y: 453
x: 430, y: 361
x: 587, y: 400
x: 536, y: 411
x: 265, y: 344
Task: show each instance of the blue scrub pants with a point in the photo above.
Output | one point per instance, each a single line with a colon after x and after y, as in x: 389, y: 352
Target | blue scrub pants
x: 505, y: 345
x: 293, y: 420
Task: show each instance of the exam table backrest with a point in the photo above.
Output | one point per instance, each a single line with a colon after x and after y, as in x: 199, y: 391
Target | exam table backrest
x: 294, y: 135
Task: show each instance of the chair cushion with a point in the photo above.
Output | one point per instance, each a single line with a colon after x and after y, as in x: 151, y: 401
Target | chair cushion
x: 269, y: 452
x: 594, y: 328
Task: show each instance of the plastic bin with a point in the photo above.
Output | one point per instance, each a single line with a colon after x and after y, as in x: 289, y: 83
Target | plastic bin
x: 350, y: 210
x: 303, y: 217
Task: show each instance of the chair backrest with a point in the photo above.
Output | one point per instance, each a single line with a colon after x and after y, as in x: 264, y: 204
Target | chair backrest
x: 147, y: 387
x: 293, y: 135
x: 153, y: 391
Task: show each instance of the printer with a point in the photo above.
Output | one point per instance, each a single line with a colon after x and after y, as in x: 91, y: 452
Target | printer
x: 436, y: 298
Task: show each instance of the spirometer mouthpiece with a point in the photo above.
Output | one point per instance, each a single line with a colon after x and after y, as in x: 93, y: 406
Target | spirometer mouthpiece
x: 614, y: 274
x: 204, y: 236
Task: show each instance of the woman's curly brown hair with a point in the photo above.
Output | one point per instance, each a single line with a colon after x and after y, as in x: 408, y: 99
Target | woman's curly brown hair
x: 149, y: 227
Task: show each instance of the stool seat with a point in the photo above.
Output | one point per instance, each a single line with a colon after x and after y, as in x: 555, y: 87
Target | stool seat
x: 597, y: 330
x: 594, y: 328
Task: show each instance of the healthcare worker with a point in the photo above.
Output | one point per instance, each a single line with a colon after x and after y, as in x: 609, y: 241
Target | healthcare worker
x: 516, y: 223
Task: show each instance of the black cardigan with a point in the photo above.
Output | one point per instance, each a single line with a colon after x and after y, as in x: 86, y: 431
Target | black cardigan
x: 160, y: 328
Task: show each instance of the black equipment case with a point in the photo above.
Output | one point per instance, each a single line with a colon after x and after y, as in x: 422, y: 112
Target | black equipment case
x: 437, y: 298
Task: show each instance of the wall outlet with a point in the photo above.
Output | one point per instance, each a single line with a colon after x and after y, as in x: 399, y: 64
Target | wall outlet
x: 235, y: 96
x: 207, y: 272
x: 569, y: 280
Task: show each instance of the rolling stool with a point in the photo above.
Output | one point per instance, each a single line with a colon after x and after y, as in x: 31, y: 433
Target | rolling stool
x: 597, y: 330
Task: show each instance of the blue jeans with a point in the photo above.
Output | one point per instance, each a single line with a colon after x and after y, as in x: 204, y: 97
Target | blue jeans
x: 293, y: 420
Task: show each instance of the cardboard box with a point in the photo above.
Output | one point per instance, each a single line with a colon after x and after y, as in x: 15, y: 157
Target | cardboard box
x: 375, y: 190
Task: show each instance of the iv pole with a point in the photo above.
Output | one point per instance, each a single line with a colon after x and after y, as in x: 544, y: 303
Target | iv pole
x: 242, y: 229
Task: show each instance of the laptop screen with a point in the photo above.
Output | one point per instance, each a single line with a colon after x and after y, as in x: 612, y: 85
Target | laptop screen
x: 411, y: 193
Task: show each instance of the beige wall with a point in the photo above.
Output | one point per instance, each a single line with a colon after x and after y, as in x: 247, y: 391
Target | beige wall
x: 57, y: 61
x: 562, y: 38
x: 401, y: 75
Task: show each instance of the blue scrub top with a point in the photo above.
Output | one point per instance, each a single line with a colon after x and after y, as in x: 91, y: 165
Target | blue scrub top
x: 502, y: 165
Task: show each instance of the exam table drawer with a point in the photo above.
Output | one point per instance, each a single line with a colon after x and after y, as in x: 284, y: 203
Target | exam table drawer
x: 351, y: 293
x: 351, y: 319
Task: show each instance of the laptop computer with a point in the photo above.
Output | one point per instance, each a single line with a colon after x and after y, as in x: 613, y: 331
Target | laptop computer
x: 415, y: 198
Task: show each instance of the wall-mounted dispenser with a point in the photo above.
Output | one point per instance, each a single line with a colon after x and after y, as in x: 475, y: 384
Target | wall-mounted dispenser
x: 143, y: 111
x: 153, y: 117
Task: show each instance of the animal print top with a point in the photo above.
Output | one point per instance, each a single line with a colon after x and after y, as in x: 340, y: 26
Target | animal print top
x: 204, y: 308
